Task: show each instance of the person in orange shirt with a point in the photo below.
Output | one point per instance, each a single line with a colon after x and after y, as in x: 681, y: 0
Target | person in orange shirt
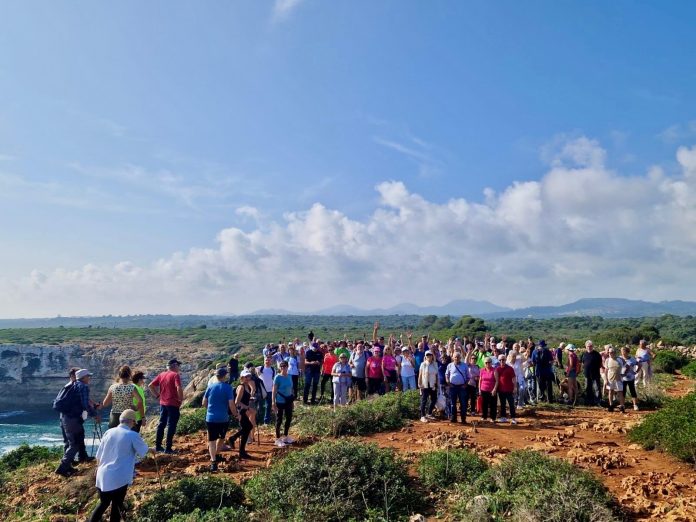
x: 330, y: 359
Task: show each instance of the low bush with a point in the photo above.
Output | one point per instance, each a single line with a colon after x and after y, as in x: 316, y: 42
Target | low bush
x: 189, y: 494
x: 191, y: 421
x: 26, y: 455
x: 442, y: 469
x: 230, y: 514
x: 527, y: 485
x: 671, y: 429
x: 333, y: 481
x: 385, y: 413
x: 689, y: 370
x: 668, y: 362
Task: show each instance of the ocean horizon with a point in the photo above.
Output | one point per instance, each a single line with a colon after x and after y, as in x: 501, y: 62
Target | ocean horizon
x: 19, y: 427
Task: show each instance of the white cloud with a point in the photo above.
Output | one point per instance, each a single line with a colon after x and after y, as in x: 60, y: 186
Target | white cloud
x: 283, y: 8
x: 580, y: 230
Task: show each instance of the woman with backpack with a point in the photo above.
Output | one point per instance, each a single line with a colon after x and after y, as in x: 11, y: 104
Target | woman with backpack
x: 243, y: 400
x: 122, y: 396
x: 256, y: 399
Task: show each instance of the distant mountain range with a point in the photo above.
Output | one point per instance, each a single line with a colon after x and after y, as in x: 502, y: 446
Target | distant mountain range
x: 604, y: 307
x: 598, y: 306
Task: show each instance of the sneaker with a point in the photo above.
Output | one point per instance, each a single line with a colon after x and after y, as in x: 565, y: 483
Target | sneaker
x: 513, y: 421
x: 429, y: 417
x: 635, y: 407
x: 288, y: 440
x: 219, y: 458
x: 423, y: 419
x: 502, y: 419
x: 245, y: 455
x: 170, y: 452
x: 280, y: 443
x: 213, y: 466
x: 159, y: 450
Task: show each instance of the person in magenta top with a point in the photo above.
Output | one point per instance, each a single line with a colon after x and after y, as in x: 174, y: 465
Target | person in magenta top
x: 507, y: 386
x: 330, y: 359
x: 389, y: 370
x: 488, y: 388
x: 373, y: 372
x: 167, y: 388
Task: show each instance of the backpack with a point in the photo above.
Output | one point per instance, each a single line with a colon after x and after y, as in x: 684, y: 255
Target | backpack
x: 260, y: 387
x: 68, y: 401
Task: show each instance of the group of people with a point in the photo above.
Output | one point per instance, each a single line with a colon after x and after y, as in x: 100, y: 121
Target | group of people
x: 121, y: 445
x: 459, y: 377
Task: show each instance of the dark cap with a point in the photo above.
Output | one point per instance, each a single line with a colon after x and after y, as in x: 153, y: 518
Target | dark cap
x: 249, y: 365
x: 172, y: 362
x: 221, y: 372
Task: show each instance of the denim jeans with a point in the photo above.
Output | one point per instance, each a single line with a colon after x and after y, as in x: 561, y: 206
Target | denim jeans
x: 311, y: 381
x: 169, y: 417
x: 458, y: 393
x: 409, y: 383
x: 268, y: 408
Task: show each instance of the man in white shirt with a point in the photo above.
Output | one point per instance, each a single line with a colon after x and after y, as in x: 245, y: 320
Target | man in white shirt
x: 266, y: 373
x: 116, y: 461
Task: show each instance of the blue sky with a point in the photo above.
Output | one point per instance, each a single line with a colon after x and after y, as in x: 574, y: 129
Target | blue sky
x: 130, y: 133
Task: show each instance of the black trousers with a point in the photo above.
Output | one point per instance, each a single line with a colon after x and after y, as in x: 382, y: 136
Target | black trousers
x: 472, y: 395
x: 590, y: 398
x: 284, y: 410
x: 243, y: 432
x: 114, y: 498
x: 506, y: 397
x: 489, y: 404
x: 427, y: 393
x: 326, y: 377
x: 295, y: 381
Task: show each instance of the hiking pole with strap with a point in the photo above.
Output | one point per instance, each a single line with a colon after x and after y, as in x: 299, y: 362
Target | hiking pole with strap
x: 96, y: 433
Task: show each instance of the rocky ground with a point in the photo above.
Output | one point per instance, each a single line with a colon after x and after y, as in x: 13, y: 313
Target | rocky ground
x: 649, y: 485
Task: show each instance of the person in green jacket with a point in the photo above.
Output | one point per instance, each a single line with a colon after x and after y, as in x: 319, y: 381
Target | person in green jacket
x: 139, y: 381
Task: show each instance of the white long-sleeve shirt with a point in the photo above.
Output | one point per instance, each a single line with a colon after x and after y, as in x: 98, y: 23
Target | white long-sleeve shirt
x: 116, y: 456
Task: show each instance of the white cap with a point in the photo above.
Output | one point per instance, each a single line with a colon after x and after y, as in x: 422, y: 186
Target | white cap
x: 82, y: 373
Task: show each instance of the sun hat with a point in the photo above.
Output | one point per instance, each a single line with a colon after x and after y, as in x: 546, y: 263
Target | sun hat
x: 245, y: 373
x: 428, y: 352
x: 127, y: 415
x: 570, y: 347
x: 82, y: 373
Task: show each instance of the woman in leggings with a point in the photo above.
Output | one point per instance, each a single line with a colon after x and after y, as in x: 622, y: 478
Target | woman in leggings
x: 244, y: 391
x: 283, y: 399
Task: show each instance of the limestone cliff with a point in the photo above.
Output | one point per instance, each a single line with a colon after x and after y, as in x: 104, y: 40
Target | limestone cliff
x: 32, y: 375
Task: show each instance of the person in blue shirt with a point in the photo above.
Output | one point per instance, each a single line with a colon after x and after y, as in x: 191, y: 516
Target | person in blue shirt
x: 72, y: 422
x: 283, y: 402
x: 219, y: 402
x: 457, y: 376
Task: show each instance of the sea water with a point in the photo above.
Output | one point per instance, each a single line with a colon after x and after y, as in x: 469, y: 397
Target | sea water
x: 36, y: 428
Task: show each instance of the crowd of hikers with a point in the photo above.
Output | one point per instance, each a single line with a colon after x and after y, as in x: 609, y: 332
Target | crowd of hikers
x: 491, y: 378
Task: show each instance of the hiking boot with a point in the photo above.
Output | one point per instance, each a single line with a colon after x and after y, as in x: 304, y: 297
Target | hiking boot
x: 219, y: 458
x: 170, y: 451
x: 67, y: 473
x: 159, y: 450
x: 288, y: 440
x: 213, y: 466
x: 280, y: 443
x: 86, y: 459
x: 245, y: 455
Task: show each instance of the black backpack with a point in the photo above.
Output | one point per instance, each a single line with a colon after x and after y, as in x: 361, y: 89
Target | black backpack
x: 68, y: 401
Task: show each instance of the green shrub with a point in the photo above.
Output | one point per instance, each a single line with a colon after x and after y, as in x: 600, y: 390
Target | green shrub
x: 26, y: 455
x: 338, y: 480
x: 668, y: 362
x: 527, y: 485
x: 191, y: 421
x: 186, y: 495
x: 443, y: 468
x: 218, y: 515
x: 671, y: 429
x: 689, y: 370
x: 385, y: 413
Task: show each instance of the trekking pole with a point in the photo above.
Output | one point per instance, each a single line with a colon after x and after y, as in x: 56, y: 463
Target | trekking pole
x: 159, y: 478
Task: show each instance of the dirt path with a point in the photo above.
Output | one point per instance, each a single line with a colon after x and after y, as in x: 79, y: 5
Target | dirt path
x: 648, y: 484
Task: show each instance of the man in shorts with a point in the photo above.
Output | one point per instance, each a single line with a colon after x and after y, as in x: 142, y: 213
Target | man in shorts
x: 218, y: 401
